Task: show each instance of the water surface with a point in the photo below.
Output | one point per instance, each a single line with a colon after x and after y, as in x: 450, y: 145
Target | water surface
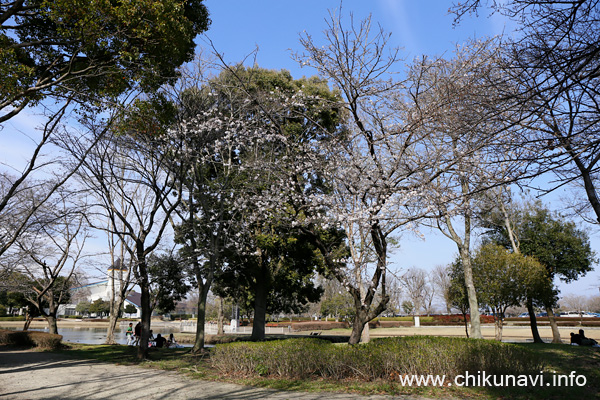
x: 96, y: 335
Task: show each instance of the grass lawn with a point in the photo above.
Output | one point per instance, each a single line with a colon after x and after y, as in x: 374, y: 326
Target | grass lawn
x: 557, y: 360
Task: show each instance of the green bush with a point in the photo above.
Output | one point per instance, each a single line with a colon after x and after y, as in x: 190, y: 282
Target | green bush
x: 380, y: 359
x: 42, y: 340
x: 18, y: 318
x: 376, y: 323
x: 318, y: 325
x: 405, y: 318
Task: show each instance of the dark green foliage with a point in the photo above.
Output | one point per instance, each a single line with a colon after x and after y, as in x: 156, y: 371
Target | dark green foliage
x: 259, y: 257
x: 14, y: 297
x: 94, y: 47
x: 557, y: 244
x: 149, y: 117
x: 83, y: 307
x: 458, y: 289
x: 504, y: 279
x: 339, y: 304
x: 130, y: 309
x: 42, y: 340
x: 99, y: 307
x: 167, y: 282
x: 380, y: 359
x: 285, y: 261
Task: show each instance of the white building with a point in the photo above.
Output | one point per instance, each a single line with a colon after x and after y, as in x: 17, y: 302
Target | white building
x: 103, y: 290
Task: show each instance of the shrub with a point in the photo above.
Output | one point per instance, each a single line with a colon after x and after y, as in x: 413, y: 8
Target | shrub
x: 454, y: 319
x: 389, y: 324
x: 42, y: 340
x: 17, y: 318
x: 380, y: 359
x: 405, y: 318
x: 318, y: 325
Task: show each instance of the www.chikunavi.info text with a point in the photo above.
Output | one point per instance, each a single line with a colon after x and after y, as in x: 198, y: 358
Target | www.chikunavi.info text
x: 482, y: 379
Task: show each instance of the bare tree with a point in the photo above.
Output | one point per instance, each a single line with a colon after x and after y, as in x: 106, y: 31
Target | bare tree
x: 17, y: 205
x: 574, y: 302
x: 416, y: 287
x: 440, y: 278
x: 554, y: 63
x: 463, y: 99
x: 132, y: 169
x: 49, y: 253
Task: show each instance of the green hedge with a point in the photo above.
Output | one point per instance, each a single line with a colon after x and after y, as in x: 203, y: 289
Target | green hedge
x: 385, y: 358
x: 42, y: 340
x: 390, y: 324
x: 318, y: 325
x: 18, y: 318
x: 405, y: 318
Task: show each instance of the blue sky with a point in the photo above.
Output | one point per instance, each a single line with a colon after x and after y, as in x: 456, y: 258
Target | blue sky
x: 417, y: 26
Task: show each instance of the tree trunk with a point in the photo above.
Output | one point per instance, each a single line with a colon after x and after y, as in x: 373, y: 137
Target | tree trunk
x: 472, y: 295
x: 260, y: 308
x: 146, y: 312
x: 28, y: 319
x: 220, y: 318
x: 553, y: 325
x: 466, y: 324
x: 52, y: 324
x: 498, y: 334
x: 112, y: 326
x: 360, y: 320
x: 533, y: 322
x: 365, y: 337
x: 201, y: 320
x: 499, y: 324
x: 115, y: 307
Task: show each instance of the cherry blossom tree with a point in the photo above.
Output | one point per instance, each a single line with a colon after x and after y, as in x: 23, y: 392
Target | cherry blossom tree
x: 378, y: 166
x: 254, y: 127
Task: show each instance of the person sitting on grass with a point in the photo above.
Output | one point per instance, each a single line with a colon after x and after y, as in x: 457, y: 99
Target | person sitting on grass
x: 160, y: 341
x: 575, y: 339
x: 171, y: 342
x: 585, y: 341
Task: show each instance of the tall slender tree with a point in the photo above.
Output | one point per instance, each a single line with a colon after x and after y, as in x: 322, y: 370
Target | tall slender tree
x: 133, y: 166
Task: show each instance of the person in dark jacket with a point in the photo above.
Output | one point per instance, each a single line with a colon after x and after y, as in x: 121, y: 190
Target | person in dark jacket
x: 585, y: 341
x: 138, y: 333
x: 160, y: 341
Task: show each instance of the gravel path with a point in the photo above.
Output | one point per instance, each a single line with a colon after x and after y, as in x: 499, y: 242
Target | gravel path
x: 28, y: 375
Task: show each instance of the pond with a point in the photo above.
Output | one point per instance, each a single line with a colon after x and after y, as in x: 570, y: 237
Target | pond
x: 97, y: 335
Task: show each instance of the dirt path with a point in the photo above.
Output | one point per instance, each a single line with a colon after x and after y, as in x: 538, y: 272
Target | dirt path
x: 28, y: 375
